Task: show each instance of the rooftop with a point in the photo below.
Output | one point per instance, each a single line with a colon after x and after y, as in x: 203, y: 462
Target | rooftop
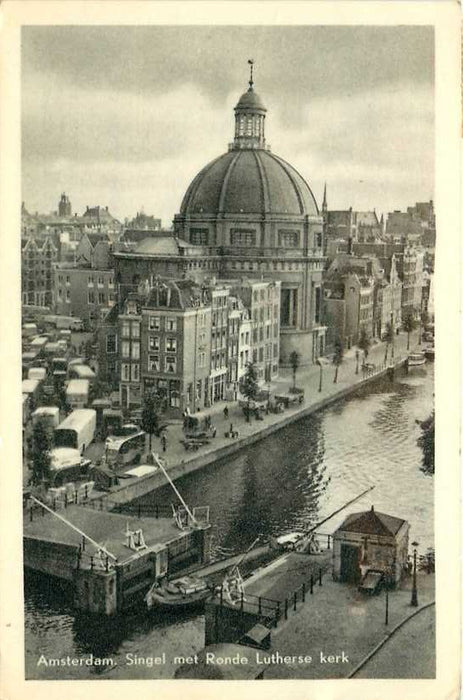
x: 371, y: 522
x: 108, y: 529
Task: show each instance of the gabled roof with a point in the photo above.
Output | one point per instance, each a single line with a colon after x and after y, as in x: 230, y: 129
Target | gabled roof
x: 371, y: 522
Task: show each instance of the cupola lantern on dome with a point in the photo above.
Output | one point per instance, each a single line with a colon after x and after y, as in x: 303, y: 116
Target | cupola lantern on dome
x: 249, y: 118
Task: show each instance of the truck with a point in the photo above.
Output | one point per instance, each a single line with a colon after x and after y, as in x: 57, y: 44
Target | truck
x: 48, y: 414
x: 77, y: 430
x: 292, y: 396
x: 82, y: 371
x: 77, y: 393
x: 67, y: 465
x: 69, y: 323
x: 31, y: 388
x: 39, y: 373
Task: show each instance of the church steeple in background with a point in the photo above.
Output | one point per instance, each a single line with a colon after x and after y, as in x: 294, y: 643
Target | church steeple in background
x: 249, y: 117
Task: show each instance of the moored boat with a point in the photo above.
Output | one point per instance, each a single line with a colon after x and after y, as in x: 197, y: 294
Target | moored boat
x: 184, y: 592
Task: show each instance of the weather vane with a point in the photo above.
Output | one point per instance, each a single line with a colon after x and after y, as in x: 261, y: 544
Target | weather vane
x: 251, y: 63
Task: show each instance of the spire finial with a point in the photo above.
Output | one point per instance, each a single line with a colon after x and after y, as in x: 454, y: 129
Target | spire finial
x: 251, y: 69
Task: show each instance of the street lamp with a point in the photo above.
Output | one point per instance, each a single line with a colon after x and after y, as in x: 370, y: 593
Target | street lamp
x: 414, y: 600
x: 320, y: 384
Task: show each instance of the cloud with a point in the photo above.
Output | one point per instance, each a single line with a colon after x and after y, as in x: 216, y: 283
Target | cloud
x: 127, y: 116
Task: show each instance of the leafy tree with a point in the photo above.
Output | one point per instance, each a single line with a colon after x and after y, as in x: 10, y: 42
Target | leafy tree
x: 338, y: 357
x: 40, y: 453
x: 426, y: 442
x: 364, y: 342
x: 388, y: 338
x: 409, y: 325
x: 294, y: 360
x: 250, y: 387
x: 150, y: 415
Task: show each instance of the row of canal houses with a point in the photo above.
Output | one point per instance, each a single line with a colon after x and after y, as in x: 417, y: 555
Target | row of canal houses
x: 190, y: 342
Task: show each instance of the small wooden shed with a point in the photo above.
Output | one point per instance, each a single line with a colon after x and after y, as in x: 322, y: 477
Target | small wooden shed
x: 370, y: 541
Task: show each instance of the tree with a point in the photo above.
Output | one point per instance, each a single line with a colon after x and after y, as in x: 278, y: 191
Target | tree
x: 294, y: 362
x: 250, y: 387
x: 150, y: 414
x: 409, y: 325
x: 40, y: 453
x: 364, y: 343
x: 388, y: 338
x: 426, y: 442
x: 338, y: 357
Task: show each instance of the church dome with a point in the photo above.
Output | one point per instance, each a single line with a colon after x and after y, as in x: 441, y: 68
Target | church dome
x: 250, y: 100
x: 248, y: 181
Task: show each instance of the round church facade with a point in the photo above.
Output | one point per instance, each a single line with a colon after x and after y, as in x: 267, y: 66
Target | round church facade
x: 257, y: 212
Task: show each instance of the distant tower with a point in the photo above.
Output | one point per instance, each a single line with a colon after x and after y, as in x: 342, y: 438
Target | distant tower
x: 64, y: 206
x: 325, y: 203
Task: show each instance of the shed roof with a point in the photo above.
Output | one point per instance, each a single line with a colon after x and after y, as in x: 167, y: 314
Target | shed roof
x: 371, y: 522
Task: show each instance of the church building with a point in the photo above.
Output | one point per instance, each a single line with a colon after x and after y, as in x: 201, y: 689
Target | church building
x: 248, y: 213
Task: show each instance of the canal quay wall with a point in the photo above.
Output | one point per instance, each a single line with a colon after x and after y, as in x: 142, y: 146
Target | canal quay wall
x: 127, y: 492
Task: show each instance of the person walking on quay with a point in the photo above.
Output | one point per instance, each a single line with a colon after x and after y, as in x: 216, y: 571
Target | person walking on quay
x: 225, y: 412
x: 164, y: 442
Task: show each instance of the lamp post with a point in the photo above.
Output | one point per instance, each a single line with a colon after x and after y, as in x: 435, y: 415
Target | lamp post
x: 414, y: 600
x: 320, y: 384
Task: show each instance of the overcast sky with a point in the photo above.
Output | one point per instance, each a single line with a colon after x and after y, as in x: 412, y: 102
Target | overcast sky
x: 126, y: 116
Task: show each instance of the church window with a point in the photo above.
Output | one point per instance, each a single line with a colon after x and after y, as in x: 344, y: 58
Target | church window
x: 243, y: 237
x: 199, y: 236
x: 288, y: 307
x: 288, y: 239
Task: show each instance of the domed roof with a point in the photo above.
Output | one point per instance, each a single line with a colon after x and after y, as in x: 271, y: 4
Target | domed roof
x: 249, y: 100
x: 249, y: 181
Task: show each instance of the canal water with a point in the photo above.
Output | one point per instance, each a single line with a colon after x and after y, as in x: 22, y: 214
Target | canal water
x: 294, y: 478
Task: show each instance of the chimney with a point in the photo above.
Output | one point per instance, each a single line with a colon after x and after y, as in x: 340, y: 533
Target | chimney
x: 372, y: 509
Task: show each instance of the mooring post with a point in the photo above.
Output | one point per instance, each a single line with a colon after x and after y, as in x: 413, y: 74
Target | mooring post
x: 303, y: 592
x: 319, y: 577
x: 311, y: 584
x: 242, y: 600
x: 65, y: 500
x: 31, y: 514
x: 286, y: 608
x: 278, y: 611
x: 295, y: 600
x: 260, y: 605
x: 221, y: 595
x: 329, y: 541
x: 91, y: 562
x: 139, y: 509
x: 83, y: 543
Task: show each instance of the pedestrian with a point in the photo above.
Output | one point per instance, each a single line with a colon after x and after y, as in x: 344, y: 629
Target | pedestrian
x: 225, y: 412
x: 164, y: 442
x: 231, y: 430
